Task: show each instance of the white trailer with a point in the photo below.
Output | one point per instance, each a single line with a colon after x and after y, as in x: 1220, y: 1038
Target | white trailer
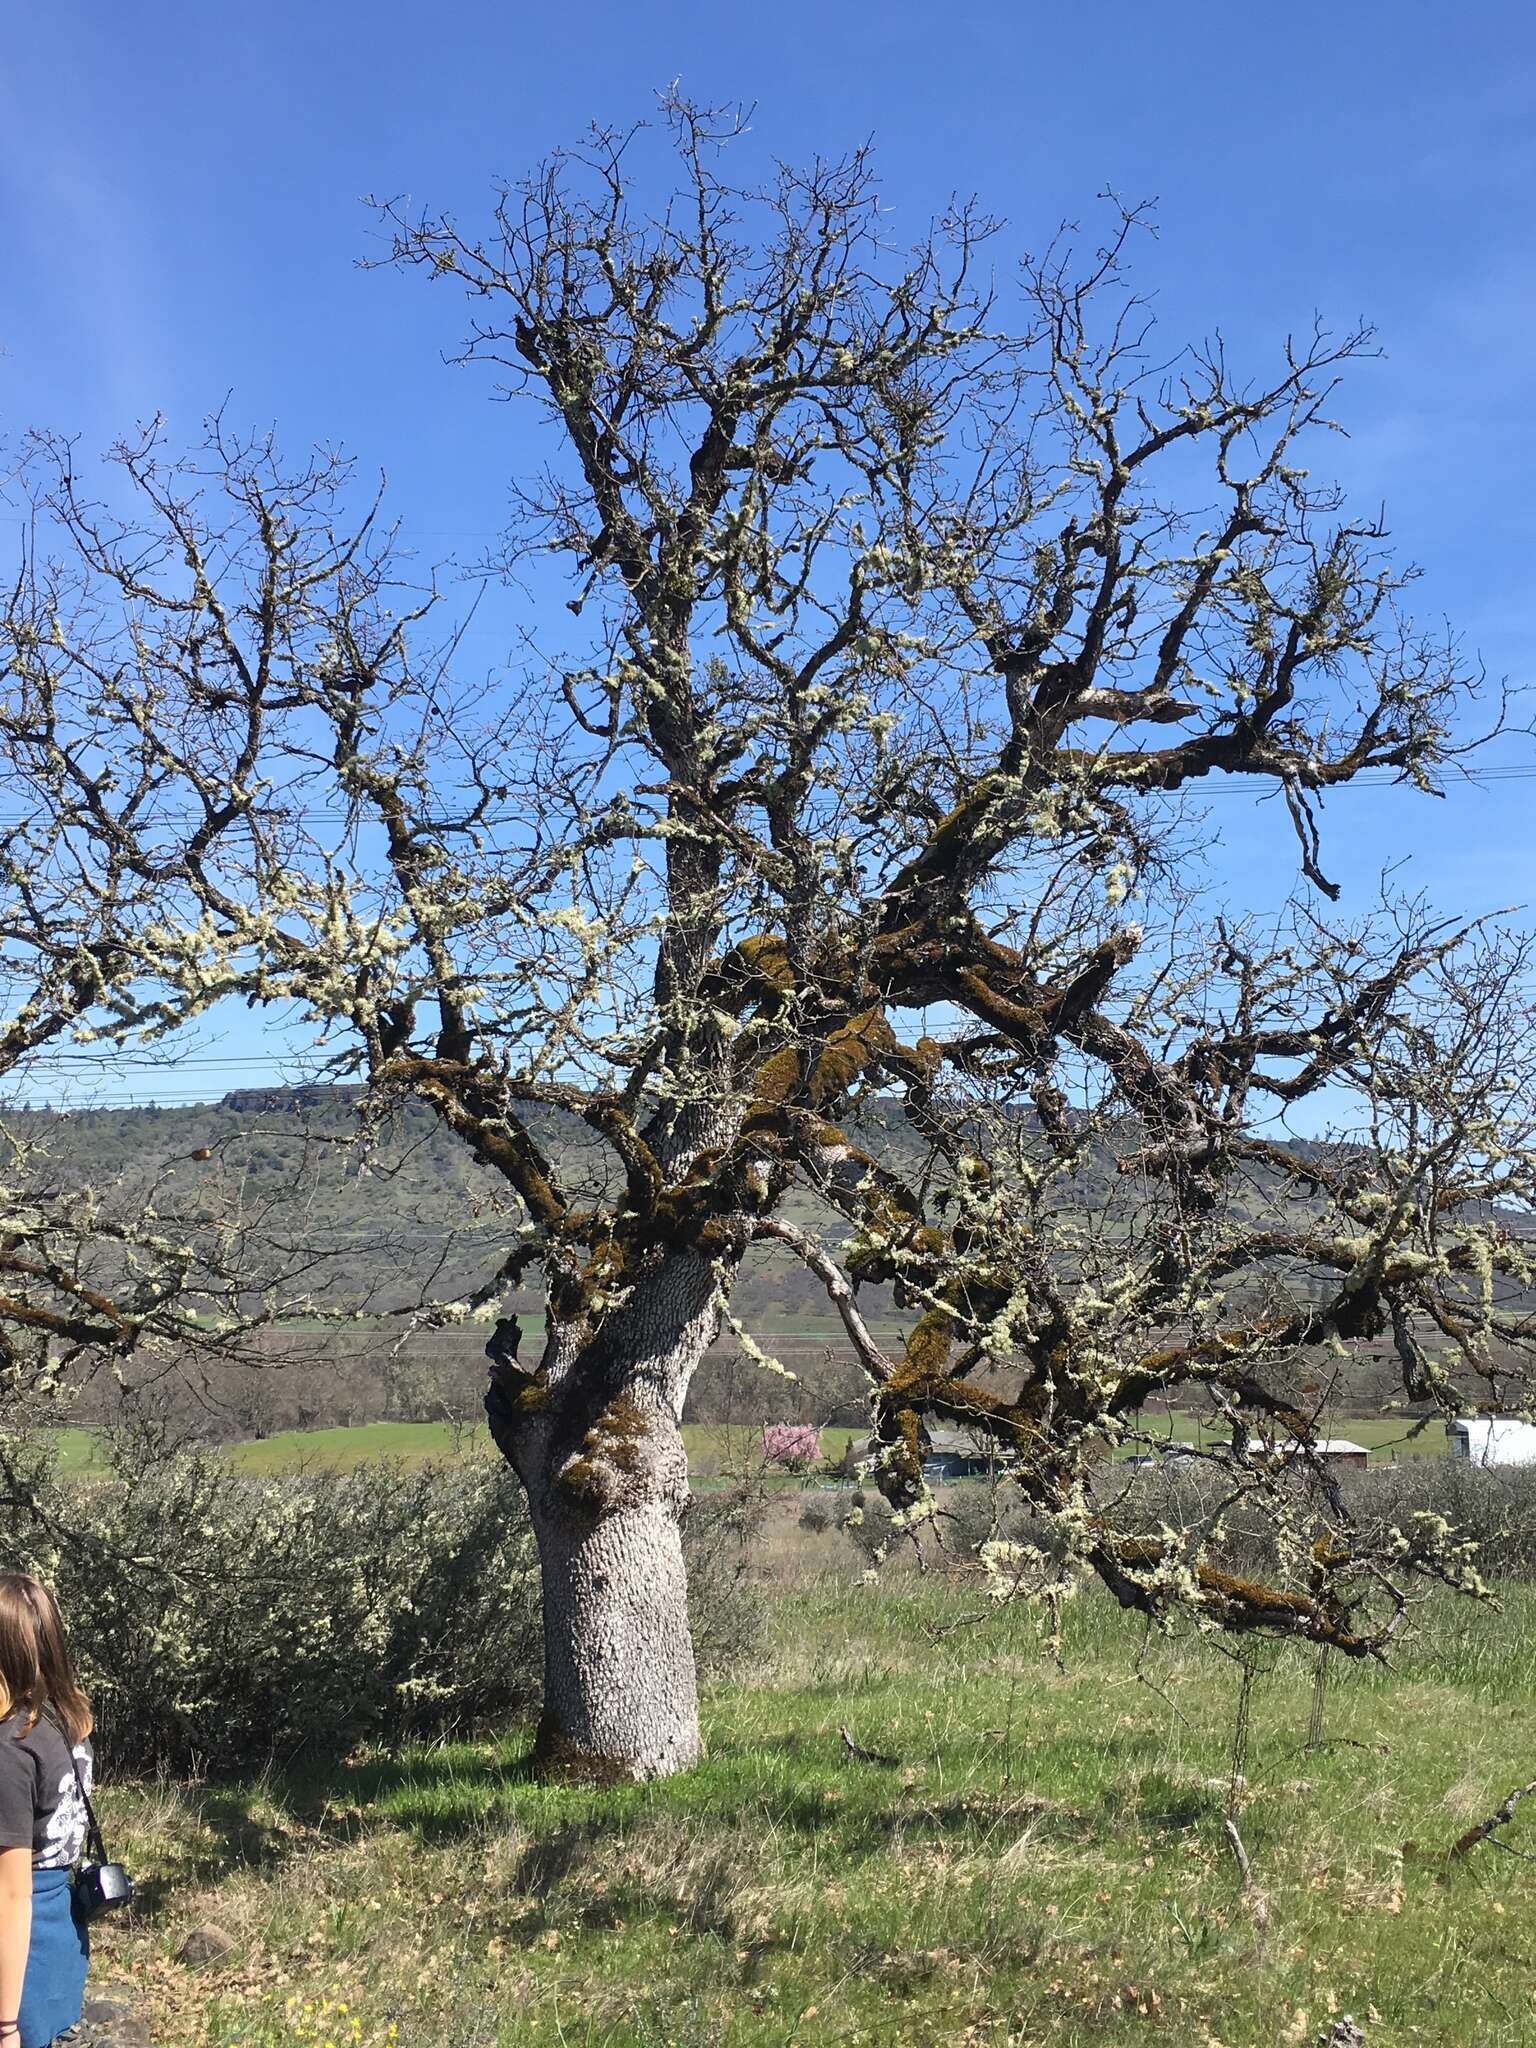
x: 1493, y: 1440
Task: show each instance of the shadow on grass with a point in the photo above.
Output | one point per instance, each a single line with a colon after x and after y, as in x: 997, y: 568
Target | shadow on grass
x: 455, y: 1796
x: 1174, y: 1804
x: 259, y: 1825
x: 237, y: 1839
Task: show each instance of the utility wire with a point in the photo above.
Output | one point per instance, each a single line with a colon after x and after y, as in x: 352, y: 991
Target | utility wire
x: 1370, y: 778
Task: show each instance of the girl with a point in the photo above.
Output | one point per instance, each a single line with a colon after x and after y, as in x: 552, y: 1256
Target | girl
x: 45, y: 1778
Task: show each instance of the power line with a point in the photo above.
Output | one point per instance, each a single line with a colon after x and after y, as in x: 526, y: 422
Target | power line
x: 1227, y: 785
x: 154, y: 1061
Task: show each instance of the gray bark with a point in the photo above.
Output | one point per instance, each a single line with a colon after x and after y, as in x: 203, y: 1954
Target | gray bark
x: 595, y: 1437
x: 620, y: 1696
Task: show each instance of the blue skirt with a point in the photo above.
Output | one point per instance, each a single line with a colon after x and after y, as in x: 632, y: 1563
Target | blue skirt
x: 53, y: 1990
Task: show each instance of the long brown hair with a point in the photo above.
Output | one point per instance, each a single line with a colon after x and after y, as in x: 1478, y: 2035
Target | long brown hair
x: 36, y: 1670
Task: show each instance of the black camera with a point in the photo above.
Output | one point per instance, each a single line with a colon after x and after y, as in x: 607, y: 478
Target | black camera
x: 101, y: 1888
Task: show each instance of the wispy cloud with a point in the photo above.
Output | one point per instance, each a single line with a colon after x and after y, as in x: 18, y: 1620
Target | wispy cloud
x: 83, y: 329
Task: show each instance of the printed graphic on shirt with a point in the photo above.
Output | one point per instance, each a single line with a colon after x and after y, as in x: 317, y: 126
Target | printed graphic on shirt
x: 64, y: 1830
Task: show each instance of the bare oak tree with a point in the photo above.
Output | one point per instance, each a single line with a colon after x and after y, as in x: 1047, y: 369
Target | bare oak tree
x: 794, y: 872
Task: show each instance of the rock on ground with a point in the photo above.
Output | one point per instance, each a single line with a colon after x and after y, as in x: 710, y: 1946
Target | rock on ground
x: 208, y: 1944
x: 111, y: 2022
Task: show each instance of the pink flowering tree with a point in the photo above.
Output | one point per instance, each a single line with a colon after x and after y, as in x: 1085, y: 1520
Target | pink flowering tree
x: 794, y: 1446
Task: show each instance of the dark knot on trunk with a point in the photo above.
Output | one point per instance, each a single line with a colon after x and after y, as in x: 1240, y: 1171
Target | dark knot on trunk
x: 504, y: 1340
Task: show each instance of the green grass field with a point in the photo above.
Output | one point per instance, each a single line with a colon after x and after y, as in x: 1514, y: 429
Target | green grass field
x: 1384, y: 1437
x: 709, y: 1444
x: 1044, y: 1861
x: 342, y: 1450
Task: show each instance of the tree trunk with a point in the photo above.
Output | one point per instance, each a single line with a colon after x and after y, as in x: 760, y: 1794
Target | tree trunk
x: 595, y: 1436
x: 620, y: 1697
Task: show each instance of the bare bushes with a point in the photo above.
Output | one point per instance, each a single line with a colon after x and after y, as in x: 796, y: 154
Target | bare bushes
x: 222, y: 1619
x: 1493, y: 1509
x: 720, y: 1540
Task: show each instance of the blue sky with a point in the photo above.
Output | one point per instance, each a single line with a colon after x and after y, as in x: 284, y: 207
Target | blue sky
x: 180, y: 218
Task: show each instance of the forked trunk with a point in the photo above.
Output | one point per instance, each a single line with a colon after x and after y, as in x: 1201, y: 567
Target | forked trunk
x: 595, y: 1436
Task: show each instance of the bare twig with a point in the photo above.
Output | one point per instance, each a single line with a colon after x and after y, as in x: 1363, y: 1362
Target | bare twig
x: 1500, y: 1817
x: 867, y: 1756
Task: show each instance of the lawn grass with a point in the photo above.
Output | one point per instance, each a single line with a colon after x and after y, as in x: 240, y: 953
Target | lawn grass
x: 77, y: 1451
x: 1044, y: 1861
x: 415, y: 1443
x: 334, y: 1450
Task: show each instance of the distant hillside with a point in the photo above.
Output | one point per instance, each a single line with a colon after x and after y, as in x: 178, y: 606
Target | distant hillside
x: 405, y: 1206
x: 409, y: 1210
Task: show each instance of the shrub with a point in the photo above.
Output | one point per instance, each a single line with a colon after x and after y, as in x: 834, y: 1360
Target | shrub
x: 221, y: 1620
x: 725, y: 1609
x: 1495, y: 1508
x: 794, y: 1446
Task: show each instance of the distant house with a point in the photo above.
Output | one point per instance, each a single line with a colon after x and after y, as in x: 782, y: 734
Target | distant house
x: 1332, y: 1450
x: 1493, y: 1440
x: 952, y: 1454
x: 956, y: 1454
x: 1162, y: 1460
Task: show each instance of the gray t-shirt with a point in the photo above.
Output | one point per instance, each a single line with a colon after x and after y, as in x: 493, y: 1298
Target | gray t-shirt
x: 40, y: 1803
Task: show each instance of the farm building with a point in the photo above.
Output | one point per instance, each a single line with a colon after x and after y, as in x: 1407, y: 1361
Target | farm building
x: 1330, y: 1450
x: 955, y: 1454
x: 1493, y: 1440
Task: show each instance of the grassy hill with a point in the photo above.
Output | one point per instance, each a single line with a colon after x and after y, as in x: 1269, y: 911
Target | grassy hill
x: 405, y: 1205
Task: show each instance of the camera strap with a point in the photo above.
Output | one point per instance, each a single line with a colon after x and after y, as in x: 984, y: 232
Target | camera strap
x: 95, y: 1847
